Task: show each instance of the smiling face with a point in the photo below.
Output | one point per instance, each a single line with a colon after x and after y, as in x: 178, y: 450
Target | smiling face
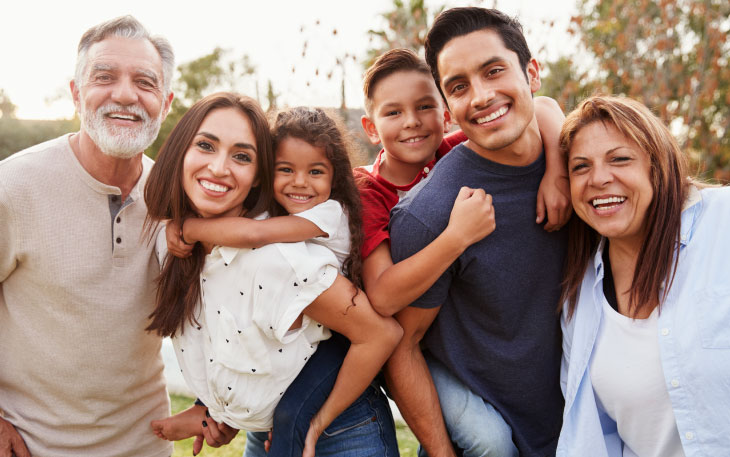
x: 489, y: 95
x: 302, y: 175
x: 408, y: 117
x: 219, y: 168
x: 121, y: 101
x: 610, y: 183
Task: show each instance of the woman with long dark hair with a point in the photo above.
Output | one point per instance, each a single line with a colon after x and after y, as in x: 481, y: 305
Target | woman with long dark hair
x: 245, y: 321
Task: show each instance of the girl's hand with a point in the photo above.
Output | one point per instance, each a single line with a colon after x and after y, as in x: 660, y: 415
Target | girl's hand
x: 175, y: 244
x: 472, y: 217
x: 553, y: 198
x: 310, y: 441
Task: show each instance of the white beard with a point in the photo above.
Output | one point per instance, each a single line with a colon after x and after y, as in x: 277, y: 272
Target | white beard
x: 116, y: 141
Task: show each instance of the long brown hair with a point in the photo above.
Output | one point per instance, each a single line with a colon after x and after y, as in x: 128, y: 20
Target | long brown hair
x: 656, y: 262
x: 178, y: 291
x: 324, y: 130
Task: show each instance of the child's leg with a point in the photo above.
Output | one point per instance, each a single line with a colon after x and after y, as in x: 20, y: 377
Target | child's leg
x: 368, y: 416
x: 182, y: 425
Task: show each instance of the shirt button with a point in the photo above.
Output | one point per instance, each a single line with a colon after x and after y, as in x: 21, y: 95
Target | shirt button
x: 674, y: 383
x: 119, y: 240
x: 115, y: 198
x: 689, y: 435
x: 426, y: 170
x: 665, y: 331
x: 119, y: 219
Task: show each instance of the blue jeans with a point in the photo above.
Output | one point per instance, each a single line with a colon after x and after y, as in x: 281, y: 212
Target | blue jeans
x: 475, y: 427
x: 365, y: 429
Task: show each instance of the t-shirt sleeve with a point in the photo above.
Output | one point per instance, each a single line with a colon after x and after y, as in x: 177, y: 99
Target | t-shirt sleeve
x: 326, y: 216
x: 375, y: 218
x: 7, y: 237
x: 408, y: 236
x: 452, y: 140
x: 303, y: 270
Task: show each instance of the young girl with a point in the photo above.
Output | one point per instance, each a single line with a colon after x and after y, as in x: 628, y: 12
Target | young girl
x: 245, y: 321
x: 313, y: 181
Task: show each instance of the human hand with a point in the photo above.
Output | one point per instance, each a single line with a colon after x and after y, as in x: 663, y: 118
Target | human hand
x: 175, y: 244
x: 267, y: 443
x: 472, y: 217
x: 553, y: 198
x: 215, y: 434
x: 11, y: 443
x: 310, y: 441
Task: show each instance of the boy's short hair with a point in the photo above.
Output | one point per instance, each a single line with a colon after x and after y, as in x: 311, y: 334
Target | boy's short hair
x: 399, y: 59
x: 457, y: 22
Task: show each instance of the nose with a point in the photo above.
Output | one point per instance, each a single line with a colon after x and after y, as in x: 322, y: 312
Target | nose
x: 300, y: 179
x: 600, y: 175
x: 412, y: 119
x: 483, y: 93
x: 217, y: 164
x: 124, y: 92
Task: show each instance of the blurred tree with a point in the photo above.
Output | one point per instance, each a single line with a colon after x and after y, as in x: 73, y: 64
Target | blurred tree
x: 271, y: 96
x: 7, y: 108
x: 671, y: 55
x: 198, y: 78
x: 406, y: 26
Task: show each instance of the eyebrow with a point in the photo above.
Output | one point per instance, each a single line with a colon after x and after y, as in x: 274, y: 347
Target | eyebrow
x: 487, y: 63
x: 148, y: 73
x: 102, y: 67
x: 212, y: 137
x: 140, y: 71
x: 315, y: 164
x: 425, y: 98
x: 607, y: 152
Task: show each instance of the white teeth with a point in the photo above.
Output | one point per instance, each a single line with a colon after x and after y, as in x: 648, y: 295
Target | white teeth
x: 413, y: 140
x: 299, y: 197
x: 126, y: 117
x: 606, y: 201
x: 212, y: 186
x: 499, y: 113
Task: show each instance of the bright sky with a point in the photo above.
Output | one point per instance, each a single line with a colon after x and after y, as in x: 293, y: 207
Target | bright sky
x: 39, y: 40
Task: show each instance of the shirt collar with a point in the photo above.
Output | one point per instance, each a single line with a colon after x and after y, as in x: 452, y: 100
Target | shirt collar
x: 225, y: 252
x: 690, y: 211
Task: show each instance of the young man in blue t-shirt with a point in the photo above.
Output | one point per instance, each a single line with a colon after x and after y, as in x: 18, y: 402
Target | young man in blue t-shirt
x: 488, y: 327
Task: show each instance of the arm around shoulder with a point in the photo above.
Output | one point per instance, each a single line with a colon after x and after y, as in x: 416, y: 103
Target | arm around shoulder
x: 242, y: 232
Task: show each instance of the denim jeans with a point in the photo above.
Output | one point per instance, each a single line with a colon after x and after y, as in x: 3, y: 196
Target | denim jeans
x: 364, y: 429
x: 475, y: 427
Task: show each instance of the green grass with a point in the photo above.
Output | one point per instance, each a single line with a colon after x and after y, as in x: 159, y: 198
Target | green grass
x: 407, y: 443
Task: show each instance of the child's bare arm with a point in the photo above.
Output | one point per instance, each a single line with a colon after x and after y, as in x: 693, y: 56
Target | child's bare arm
x: 241, y: 232
x: 391, y: 287
x: 553, y: 196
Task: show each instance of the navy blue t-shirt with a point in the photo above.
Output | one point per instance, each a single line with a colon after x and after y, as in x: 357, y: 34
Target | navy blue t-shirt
x: 498, y: 329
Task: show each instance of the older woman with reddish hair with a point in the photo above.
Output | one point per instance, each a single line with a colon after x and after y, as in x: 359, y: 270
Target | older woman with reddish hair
x: 646, y: 314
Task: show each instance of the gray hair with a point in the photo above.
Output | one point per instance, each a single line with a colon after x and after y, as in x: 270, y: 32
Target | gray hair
x: 125, y: 27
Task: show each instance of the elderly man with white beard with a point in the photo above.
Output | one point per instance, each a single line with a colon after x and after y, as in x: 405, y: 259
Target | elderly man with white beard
x: 79, y: 375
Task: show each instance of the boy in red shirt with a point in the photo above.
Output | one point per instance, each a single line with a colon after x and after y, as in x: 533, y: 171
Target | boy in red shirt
x: 405, y: 112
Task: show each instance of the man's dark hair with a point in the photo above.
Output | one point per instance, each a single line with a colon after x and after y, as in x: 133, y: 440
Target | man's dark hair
x: 457, y: 22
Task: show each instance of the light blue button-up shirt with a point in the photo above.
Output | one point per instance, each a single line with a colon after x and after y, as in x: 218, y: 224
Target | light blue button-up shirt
x: 694, y: 342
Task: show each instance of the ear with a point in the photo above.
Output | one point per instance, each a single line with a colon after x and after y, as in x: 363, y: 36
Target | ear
x: 447, y: 121
x: 75, y: 94
x: 168, y: 104
x: 369, y: 126
x: 533, y: 75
